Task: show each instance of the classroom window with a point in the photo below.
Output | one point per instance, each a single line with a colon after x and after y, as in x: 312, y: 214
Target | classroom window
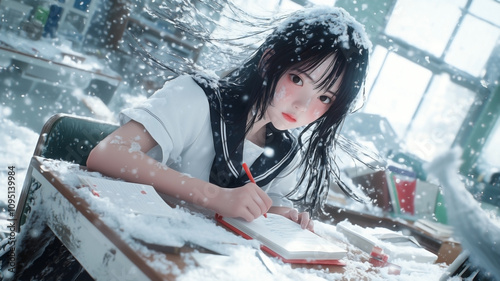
x: 439, y: 118
x: 422, y: 24
x: 491, y: 152
x: 486, y: 9
x: 430, y: 70
x: 472, y: 45
x: 397, y: 90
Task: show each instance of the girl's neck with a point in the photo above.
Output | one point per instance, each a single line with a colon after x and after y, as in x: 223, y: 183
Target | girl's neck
x: 257, y: 134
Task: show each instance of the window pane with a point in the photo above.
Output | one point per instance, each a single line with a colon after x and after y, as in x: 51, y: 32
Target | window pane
x: 472, y: 45
x: 486, y: 9
x: 376, y: 61
x: 422, y: 23
x: 438, y: 121
x: 397, y: 91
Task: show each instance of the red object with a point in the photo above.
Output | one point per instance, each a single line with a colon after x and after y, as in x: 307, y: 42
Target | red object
x: 247, y: 170
x: 405, y: 182
x: 95, y: 193
x: 379, y: 259
x: 378, y: 253
x: 406, y: 193
x: 249, y: 175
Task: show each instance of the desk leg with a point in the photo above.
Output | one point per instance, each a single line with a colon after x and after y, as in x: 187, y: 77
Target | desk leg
x: 43, y: 257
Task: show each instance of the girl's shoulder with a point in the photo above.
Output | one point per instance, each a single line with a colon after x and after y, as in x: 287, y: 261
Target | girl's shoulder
x: 205, y: 80
x: 181, y: 93
x: 182, y: 83
x: 189, y: 84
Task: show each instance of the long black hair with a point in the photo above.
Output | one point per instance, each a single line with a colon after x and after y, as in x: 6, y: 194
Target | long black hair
x: 303, y: 41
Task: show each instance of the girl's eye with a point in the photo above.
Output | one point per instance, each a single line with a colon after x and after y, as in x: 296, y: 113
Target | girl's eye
x: 325, y: 99
x: 296, y: 79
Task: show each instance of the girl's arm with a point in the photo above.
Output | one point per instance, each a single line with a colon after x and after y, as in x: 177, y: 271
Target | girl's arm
x: 123, y: 155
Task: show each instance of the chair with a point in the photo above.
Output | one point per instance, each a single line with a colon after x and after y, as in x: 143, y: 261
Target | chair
x: 68, y: 138
x: 63, y: 137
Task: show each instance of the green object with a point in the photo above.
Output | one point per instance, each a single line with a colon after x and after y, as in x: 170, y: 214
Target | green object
x: 440, y: 209
x: 411, y: 161
x: 41, y: 14
x: 475, y: 141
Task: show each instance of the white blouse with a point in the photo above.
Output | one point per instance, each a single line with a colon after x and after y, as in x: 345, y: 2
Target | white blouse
x: 178, y: 118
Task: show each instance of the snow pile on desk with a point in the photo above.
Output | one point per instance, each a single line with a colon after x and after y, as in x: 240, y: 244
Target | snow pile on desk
x: 184, y: 225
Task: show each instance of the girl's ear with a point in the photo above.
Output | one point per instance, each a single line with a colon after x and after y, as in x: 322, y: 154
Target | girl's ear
x: 263, y: 66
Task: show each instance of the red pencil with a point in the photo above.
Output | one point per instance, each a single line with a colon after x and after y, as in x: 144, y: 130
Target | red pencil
x: 249, y: 175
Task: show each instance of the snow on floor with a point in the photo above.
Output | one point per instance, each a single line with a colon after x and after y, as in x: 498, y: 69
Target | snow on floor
x: 16, y: 148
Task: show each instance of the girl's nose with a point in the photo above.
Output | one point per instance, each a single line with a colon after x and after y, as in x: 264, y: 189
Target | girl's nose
x: 301, y: 104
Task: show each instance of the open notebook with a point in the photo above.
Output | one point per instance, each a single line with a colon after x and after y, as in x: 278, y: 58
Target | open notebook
x: 286, y: 240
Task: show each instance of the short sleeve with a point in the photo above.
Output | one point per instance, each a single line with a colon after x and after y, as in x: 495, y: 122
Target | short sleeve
x: 173, y: 116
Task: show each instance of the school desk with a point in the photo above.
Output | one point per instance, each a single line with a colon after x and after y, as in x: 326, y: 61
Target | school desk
x: 94, y: 244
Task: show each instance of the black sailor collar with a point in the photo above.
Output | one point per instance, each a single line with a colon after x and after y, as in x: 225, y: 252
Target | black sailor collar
x: 228, y: 136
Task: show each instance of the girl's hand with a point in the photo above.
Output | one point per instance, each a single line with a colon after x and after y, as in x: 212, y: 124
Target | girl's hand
x: 247, y: 202
x: 291, y: 213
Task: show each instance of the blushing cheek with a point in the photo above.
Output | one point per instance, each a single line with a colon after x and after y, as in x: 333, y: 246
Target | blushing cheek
x: 280, y: 94
x: 316, y: 111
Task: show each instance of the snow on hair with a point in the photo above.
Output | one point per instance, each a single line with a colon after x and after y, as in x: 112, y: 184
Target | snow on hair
x: 338, y: 21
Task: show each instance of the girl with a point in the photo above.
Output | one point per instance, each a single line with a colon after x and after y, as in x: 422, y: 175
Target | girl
x: 190, y: 138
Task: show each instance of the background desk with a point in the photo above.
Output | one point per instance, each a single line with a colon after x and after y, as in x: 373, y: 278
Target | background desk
x: 41, y: 78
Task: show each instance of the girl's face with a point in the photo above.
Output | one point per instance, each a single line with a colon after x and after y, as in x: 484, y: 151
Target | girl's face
x: 297, y: 101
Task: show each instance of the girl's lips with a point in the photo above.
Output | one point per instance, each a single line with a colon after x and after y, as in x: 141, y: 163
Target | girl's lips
x: 289, y: 117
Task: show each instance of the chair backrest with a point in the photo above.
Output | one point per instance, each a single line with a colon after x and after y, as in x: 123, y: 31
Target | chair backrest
x: 63, y: 137
x: 71, y: 138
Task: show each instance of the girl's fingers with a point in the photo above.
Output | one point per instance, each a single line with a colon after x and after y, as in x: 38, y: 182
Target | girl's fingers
x: 304, y: 220
x: 293, y: 214
x: 254, y: 209
x: 259, y: 202
x: 247, y: 215
x: 268, y: 202
x: 262, y: 200
x: 253, y: 202
x: 310, y: 226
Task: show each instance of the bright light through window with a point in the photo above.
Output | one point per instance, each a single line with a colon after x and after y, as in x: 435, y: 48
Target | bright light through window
x: 422, y: 23
x: 472, y: 46
x: 425, y: 84
x: 486, y: 9
x: 439, y: 118
x: 397, y: 91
